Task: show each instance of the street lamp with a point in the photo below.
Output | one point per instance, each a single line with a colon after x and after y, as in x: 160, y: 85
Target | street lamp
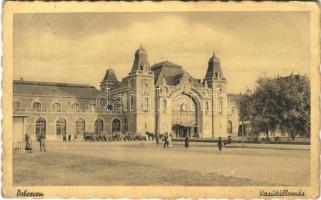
x: 242, y: 133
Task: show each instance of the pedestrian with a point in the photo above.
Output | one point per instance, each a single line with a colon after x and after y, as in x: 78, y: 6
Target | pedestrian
x: 170, y: 140
x: 186, y: 140
x: 28, y: 143
x: 220, y: 144
x: 64, y: 137
x: 42, y: 141
x: 69, y: 138
x: 165, y: 140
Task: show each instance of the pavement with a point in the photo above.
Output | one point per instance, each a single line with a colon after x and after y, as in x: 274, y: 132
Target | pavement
x: 284, y: 165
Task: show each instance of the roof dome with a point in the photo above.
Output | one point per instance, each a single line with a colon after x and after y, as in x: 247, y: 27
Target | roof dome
x: 141, y: 60
x: 141, y: 50
x: 214, y: 70
x: 214, y: 59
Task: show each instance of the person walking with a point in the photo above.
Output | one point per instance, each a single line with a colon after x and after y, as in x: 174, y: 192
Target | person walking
x: 186, y: 140
x: 28, y: 143
x: 170, y: 140
x: 42, y: 141
x: 220, y: 144
x: 64, y: 137
x: 69, y: 138
x: 165, y: 140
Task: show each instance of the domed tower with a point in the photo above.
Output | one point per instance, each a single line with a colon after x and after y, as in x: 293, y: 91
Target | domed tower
x: 141, y: 93
x: 214, y: 71
x: 216, y: 81
x: 109, y: 81
x: 141, y: 61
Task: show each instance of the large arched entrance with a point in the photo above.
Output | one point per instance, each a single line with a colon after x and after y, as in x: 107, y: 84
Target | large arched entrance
x: 60, y: 127
x: 80, y: 126
x: 99, y: 126
x: 185, y: 118
x: 116, y: 125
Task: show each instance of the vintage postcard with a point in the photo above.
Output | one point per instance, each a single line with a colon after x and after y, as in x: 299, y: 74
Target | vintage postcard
x: 161, y: 100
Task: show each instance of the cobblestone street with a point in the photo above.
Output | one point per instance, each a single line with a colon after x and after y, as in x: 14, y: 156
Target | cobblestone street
x: 198, y: 165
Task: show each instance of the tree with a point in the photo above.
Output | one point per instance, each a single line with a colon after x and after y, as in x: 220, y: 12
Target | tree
x: 296, y: 101
x: 282, y: 102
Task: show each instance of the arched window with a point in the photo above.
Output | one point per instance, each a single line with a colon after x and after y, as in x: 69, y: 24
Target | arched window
x: 36, y: 106
x: 110, y: 107
x: 184, y: 107
x: 116, y: 125
x: 131, y: 103
x: 80, y: 126
x: 220, y: 107
x: 165, y: 104
x: 61, y: 126
x: 145, y: 104
x: 229, y: 127
x: 75, y: 107
x: 40, y: 126
x: 99, y: 126
x: 16, y: 105
x: 56, y: 107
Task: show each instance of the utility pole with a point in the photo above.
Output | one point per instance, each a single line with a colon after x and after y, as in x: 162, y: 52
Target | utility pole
x: 242, y: 134
x: 158, y: 115
x: 212, y: 113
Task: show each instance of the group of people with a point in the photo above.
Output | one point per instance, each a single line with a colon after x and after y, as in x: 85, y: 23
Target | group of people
x: 64, y: 137
x: 169, y: 137
x: 41, y: 138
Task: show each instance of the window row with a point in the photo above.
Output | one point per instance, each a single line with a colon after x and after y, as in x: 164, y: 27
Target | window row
x: 56, y: 107
x: 61, y: 126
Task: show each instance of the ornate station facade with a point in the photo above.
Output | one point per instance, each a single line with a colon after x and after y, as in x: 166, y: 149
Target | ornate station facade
x: 159, y: 98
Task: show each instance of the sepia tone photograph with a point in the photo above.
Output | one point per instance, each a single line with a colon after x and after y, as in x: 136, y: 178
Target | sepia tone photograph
x: 164, y: 96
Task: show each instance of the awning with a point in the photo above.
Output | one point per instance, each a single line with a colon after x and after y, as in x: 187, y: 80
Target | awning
x: 185, y: 125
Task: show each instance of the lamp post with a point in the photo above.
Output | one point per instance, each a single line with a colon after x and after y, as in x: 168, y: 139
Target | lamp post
x: 158, y: 116
x: 213, y: 113
x: 242, y: 133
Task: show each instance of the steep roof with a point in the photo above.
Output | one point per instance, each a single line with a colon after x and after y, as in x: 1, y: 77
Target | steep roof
x: 110, y: 76
x: 54, y: 89
x: 214, y: 70
x: 172, y: 73
x: 141, y: 60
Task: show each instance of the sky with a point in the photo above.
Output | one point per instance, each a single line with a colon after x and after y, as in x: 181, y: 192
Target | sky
x: 80, y: 47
